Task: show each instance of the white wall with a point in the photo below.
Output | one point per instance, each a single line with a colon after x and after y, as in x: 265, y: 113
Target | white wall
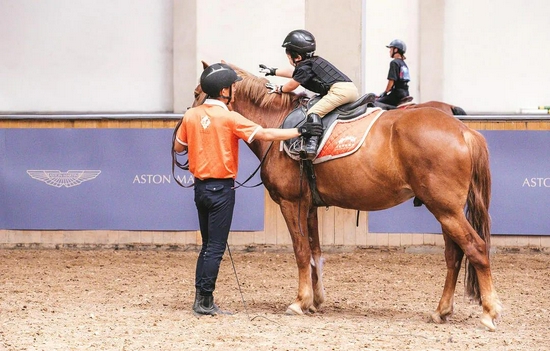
x: 385, y: 21
x: 247, y: 32
x: 497, y: 54
x: 244, y: 33
x: 144, y: 55
x: 85, y: 55
x: 337, y: 30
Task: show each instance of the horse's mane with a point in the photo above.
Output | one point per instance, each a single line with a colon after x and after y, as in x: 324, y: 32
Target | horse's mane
x: 253, y: 88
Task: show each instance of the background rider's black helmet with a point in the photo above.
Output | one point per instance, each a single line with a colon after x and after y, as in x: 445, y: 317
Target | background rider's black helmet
x: 300, y: 41
x: 216, y: 77
x: 399, y: 45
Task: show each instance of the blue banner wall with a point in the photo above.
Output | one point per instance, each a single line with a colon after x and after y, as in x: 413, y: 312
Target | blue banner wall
x: 520, y: 202
x: 114, y: 179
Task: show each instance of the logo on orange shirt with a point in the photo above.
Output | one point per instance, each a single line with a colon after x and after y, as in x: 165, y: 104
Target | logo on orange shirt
x: 205, y: 122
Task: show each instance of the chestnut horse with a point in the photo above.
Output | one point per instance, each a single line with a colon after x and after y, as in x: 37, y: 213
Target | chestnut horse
x: 422, y: 152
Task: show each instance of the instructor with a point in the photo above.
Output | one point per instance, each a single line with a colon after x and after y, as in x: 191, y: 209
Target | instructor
x: 210, y: 133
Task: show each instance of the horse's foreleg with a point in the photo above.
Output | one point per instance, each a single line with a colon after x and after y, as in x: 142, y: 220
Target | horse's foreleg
x: 316, y: 260
x: 296, y: 221
x: 453, y: 259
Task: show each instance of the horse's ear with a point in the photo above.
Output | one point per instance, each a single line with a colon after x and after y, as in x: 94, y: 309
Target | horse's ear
x: 223, y: 61
x: 204, y: 64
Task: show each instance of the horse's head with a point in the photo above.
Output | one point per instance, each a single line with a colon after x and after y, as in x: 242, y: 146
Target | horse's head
x: 252, y: 99
x: 199, y: 95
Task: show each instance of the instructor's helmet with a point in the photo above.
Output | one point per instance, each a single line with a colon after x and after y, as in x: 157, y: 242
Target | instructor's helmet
x: 300, y: 41
x: 399, y: 45
x: 216, y: 77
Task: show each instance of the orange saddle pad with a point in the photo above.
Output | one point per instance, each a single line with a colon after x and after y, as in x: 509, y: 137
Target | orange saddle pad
x: 344, y: 137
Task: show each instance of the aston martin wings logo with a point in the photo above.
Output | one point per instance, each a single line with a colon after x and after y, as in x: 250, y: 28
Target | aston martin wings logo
x: 60, y: 179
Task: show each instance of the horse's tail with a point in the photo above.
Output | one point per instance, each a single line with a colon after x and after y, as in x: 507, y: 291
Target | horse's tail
x: 479, y: 197
x: 458, y: 111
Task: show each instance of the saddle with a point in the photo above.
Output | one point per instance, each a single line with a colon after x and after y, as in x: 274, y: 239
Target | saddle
x: 403, y: 103
x: 297, y: 117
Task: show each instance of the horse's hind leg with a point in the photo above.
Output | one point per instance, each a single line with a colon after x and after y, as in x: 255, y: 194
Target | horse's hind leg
x: 476, y: 251
x: 453, y: 259
x: 302, y: 253
x: 316, y: 260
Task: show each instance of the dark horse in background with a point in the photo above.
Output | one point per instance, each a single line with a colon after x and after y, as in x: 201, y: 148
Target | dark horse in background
x: 450, y: 109
x: 417, y: 152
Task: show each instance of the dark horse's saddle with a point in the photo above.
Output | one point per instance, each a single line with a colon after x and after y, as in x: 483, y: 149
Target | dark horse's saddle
x: 404, y: 102
x: 297, y: 117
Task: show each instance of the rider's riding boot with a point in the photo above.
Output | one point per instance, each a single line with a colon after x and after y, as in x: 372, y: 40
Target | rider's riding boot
x: 311, y: 142
x: 311, y: 147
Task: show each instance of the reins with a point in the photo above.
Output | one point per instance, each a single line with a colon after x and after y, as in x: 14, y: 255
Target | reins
x: 239, y: 184
x: 175, y: 163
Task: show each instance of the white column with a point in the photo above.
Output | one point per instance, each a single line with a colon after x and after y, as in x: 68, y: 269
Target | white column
x: 431, y: 50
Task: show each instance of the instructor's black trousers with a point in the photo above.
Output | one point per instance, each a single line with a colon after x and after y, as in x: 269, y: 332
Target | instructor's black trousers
x: 215, y: 201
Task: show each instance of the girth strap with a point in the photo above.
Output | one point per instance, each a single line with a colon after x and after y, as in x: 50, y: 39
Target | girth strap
x: 311, y: 179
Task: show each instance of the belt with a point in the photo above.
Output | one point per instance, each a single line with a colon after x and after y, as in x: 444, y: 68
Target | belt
x: 217, y: 180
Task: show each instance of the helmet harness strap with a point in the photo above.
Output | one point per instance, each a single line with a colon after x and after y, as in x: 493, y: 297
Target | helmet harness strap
x: 228, y: 98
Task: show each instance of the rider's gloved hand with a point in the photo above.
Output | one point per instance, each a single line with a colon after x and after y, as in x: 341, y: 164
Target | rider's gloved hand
x: 269, y: 71
x: 310, y: 129
x: 382, y: 94
x: 273, y: 88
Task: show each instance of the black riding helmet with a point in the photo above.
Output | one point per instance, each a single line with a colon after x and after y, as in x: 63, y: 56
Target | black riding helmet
x: 216, y: 77
x: 300, y: 42
x: 399, y: 45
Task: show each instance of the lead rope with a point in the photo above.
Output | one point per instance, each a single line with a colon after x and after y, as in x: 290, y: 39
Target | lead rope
x: 241, y: 292
x: 238, y: 283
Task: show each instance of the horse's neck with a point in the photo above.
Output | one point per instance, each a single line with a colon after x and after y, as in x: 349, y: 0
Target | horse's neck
x: 266, y: 118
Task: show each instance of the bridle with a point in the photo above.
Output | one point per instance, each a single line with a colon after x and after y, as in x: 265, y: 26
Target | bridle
x: 175, y: 163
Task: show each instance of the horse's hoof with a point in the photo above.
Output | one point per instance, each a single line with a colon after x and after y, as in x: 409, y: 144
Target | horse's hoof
x: 294, y: 309
x: 313, y: 309
x: 437, y: 318
x: 488, y: 322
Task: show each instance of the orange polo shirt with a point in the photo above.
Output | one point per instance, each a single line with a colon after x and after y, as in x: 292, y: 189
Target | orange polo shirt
x: 211, y: 133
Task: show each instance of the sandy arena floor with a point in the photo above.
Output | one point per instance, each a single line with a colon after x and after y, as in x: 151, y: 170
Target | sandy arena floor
x: 376, y: 300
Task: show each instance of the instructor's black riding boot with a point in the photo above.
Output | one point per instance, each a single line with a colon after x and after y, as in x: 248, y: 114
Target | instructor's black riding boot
x: 311, y: 142
x: 205, y: 306
x: 202, y: 307
x: 198, y: 298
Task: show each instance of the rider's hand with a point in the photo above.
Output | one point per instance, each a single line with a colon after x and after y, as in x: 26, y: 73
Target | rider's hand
x: 269, y: 71
x: 311, y: 129
x: 382, y: 94
x: 273, y: 88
